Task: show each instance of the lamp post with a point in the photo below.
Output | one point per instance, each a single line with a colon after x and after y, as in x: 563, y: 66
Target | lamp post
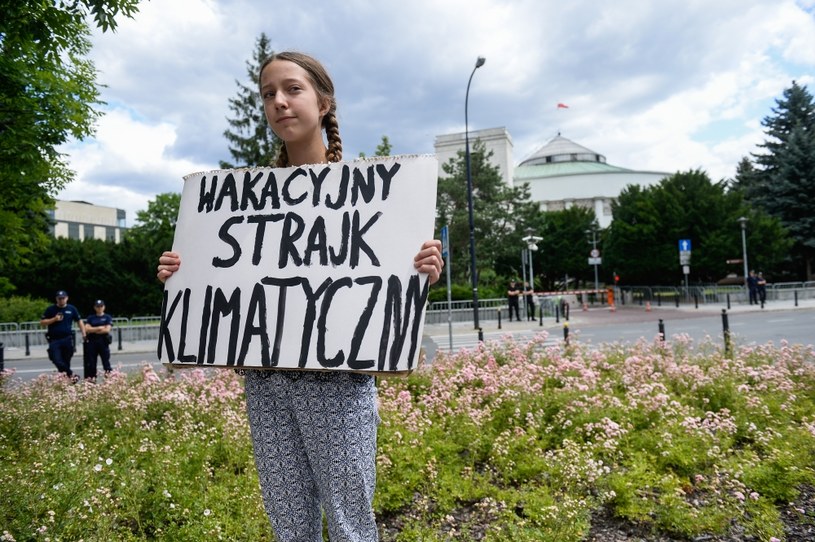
x: 532, y: 245
x: 594, y: 256
x: 743, y: 221
x: 473, y: 273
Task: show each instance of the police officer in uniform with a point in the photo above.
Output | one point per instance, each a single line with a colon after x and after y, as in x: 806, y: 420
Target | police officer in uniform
x: 60, y: 318
x: 98, y: 327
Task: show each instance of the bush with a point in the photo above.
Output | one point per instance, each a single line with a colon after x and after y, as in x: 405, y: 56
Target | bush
x: 22, y: 309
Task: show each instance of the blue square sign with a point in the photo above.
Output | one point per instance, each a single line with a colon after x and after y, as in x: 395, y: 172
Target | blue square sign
x: 684, y: 245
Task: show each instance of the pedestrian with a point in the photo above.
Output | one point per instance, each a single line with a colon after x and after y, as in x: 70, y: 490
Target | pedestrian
x: 98, y: 327
x: 513, y: 295
x: 313, y: 432
x: 761, y: 288
x: 60, y: 319
x: 752, y: 287
x: 529, y: 292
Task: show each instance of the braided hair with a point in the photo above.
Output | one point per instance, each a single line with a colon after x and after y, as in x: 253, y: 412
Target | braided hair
x: 324, y: 88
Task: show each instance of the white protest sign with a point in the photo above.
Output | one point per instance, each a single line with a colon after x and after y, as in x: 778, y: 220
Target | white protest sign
x: 301, y: 268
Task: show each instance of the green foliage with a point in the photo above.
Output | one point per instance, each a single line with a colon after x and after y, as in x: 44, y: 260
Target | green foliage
x: 383, y: 149
x: 641, y: 244
x: 783, y: 185
x: 251, y: 140
x: 175, y: 464
x: 22, y: 308
x: 122, y: 274
x: 48, y: 94
x: 508, y: 442
x: 565, y: 247
x: 501, y: 214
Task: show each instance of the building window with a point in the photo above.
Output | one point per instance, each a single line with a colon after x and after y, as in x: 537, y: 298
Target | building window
x: 110, y: 233
x: 87, y: 231
x: 73, y: 230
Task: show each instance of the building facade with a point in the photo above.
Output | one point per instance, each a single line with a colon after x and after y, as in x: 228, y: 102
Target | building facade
x: 83, y: 220
x: 560, y: 175
x: 496, y: 140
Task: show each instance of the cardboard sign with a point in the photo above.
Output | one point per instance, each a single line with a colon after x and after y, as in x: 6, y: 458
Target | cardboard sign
x: 301, y: 268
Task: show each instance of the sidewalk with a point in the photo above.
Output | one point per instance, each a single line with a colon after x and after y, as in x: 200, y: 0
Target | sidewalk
x: 599, y: 315
x: 39, y: 351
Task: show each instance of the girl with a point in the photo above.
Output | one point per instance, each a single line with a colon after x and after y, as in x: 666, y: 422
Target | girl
x: 313, y: 433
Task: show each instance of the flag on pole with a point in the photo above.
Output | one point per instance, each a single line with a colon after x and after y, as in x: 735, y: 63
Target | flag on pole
x: 562, y: 106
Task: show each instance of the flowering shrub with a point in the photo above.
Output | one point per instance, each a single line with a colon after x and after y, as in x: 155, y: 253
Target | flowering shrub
x: 520, y: 442
x: 506, y: 442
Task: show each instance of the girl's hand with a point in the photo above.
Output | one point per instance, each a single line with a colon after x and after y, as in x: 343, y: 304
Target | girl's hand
x: 168, y: 263
x: 429, y: 260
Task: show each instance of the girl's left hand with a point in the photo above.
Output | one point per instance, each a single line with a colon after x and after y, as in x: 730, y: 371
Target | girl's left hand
x: 429, y: 260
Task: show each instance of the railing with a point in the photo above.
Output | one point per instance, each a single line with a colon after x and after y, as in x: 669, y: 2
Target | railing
x: 146, y: 328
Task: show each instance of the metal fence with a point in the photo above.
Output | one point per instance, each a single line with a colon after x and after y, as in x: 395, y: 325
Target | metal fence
x: 29, y: 334
x: 146, y: 328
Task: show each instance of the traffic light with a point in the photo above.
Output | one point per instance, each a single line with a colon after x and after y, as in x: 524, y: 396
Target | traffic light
x: 616, y: 278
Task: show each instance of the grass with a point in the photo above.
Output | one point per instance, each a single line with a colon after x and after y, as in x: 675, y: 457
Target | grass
x: 508, y: 442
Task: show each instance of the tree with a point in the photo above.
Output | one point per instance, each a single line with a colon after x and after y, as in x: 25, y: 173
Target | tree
x: 251, y: 140
x: 564, y: 247
x: 501, y: 214
x: 48, y: 94
x: 383, y: 149
x: 784, y: 184
x: 642, y: 241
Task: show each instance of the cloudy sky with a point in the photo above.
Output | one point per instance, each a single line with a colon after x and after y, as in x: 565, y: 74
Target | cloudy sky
x: 664, y: 86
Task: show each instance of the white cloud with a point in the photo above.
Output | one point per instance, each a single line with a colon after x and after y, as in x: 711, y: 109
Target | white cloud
x: 665, y: 86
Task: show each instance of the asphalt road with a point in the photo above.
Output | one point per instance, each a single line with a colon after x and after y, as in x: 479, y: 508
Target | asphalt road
x: 593, y: 327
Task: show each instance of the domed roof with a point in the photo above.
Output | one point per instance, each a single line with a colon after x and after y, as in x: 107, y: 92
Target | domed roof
x: 560, y: 149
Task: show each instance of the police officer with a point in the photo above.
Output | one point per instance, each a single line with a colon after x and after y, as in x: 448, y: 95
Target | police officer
x: 98, y: 326
x: 60, y: 318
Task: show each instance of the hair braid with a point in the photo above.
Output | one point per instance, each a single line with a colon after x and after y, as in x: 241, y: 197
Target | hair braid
x: 282, y: 157
x: 332, y: 131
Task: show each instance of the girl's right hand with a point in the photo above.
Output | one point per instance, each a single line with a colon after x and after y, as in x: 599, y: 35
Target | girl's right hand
x: 168, y: 263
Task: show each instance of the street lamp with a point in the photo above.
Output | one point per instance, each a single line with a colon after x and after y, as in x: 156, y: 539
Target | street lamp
x: 532, y: 244
x: 743, y: 221
x: 473, y: 272
x: 594, y: 255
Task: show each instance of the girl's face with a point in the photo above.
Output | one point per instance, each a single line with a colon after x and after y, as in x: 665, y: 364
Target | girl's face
x: 293, y: 108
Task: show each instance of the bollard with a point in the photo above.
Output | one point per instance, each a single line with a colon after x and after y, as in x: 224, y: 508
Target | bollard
x: 762, y: 303
x: 27, y: 345
x: 499, y: 317
x: 659, y: 301
x: 676, y: 299
x: 661, y: 329
x: 695, y: 301
x: 119, y: 335
x: 566, y: 310
x: 1, y: 357
x: 726, y: 333
x: 557, y: 313
x: 728, y: 301
x: 566, y: 334
x: 541, y: 315
x: 480, y: 335
x: 796, y: 298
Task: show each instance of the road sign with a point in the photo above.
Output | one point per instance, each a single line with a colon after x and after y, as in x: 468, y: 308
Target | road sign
x: 684, y: 245
x: 595, y: 253
x: 595, y: 261
x: 444, y: 242
x: 686, y: 269
x: 684, y: 258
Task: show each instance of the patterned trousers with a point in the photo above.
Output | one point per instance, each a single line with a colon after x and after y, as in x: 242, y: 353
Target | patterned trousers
x: 314, y: 439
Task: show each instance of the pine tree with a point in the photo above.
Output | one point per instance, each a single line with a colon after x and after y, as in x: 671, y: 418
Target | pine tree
x: 251, y: 140
x: 784, y: 184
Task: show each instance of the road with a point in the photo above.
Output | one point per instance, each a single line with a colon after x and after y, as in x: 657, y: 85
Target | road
x: 592, y: 327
